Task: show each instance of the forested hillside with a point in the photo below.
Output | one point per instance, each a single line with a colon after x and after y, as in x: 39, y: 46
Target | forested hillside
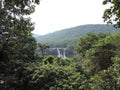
x: 67, y: 37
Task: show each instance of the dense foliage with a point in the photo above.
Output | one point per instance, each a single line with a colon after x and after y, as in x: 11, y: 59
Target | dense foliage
x: 17, y: 45
x: 112, y: 14
x: 94, y: 67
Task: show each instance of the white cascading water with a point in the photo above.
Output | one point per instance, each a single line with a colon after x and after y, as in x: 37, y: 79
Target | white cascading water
x: 60, y: 55
x: 64, y: 56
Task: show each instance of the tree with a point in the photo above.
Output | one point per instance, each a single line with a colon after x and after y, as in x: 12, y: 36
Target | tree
x: 112, y: 14
x: 95, y: 52
x: 107, y: 79
x: 98, y: 58
x: 42, y: 48
x: 86, y: 42
x: 15, y: 28
x: 17, y: 45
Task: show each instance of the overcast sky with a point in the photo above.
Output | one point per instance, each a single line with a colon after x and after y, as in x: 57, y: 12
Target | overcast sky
x: 52, y: 15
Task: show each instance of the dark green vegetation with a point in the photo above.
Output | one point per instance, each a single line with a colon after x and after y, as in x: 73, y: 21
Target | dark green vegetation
x: 112, y: 14
x: 68, y: 37
x: 95, y: 66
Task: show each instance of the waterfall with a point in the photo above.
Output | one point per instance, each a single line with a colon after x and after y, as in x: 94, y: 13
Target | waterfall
x: 59, y: 55
x: 64, y: 56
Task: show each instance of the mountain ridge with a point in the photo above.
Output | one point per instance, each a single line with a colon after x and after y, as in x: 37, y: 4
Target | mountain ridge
x: 65, y: 36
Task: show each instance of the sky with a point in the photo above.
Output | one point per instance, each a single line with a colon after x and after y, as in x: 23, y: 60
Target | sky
x: 54, y: 15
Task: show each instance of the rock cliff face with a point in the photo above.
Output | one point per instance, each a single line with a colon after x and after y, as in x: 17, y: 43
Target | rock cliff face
x: 60, y: 52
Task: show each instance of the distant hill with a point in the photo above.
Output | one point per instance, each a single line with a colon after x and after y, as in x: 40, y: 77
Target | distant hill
x: 69, y: 36
x: 35, y: 35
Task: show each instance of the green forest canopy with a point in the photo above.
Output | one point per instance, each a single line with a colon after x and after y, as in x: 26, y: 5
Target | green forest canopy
x: 69, y: 37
